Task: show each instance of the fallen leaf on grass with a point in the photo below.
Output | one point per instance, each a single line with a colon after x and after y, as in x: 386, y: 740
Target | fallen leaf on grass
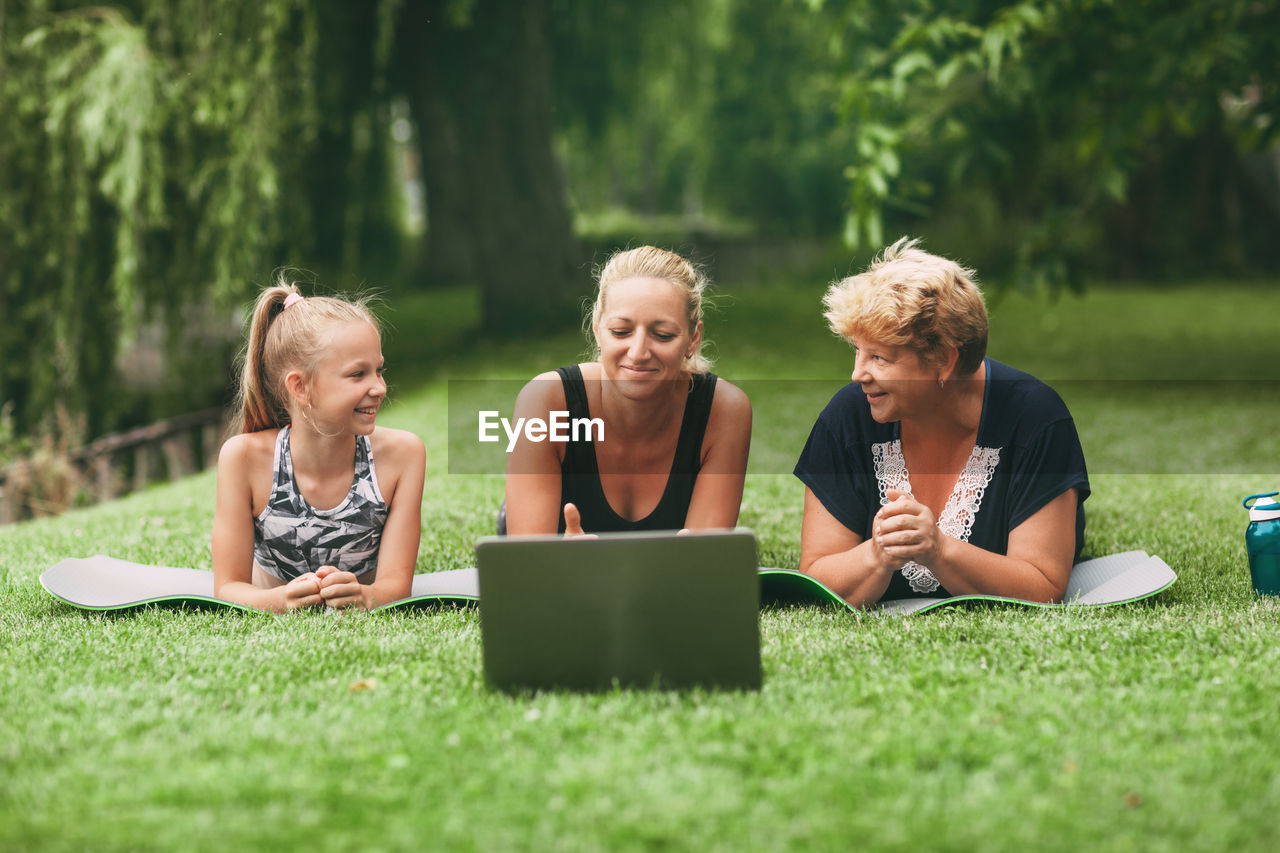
x: 363, y: 684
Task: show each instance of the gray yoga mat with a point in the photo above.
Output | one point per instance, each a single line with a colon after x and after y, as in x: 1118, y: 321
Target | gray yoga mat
x: 105, y: 583
x: 1115, y: 579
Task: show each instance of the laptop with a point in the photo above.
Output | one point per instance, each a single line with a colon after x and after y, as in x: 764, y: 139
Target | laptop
x: 623, y: 609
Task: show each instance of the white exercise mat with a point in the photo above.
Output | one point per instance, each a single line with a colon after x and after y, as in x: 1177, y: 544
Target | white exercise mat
x: 1115, y: 579
x: 105, y: 583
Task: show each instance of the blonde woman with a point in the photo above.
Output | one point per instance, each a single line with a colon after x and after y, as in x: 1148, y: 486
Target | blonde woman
x: 316, y: 505
x: 669, y: 448
x: 938, y: 471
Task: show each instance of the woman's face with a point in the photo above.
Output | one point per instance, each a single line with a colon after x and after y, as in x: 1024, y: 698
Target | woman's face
x: 643, y: 332
x: 897, y: 381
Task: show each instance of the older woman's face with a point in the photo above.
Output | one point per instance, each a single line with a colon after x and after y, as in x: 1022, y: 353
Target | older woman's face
x: 897, y: 381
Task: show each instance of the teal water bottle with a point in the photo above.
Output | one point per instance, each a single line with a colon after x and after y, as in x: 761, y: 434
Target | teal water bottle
x: 1262, y: 541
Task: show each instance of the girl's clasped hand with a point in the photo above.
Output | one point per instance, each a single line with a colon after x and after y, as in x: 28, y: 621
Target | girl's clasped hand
x: 325, y: 586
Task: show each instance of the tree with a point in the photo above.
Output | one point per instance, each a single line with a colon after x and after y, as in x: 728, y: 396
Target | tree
x: 159, y: 156
x: 155, y: 156
x: 478, y: 79
x: 1066, y: 116
x: 719, y: 111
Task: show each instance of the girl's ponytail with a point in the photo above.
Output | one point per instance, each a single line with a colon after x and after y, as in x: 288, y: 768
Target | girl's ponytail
x: 258, y: 401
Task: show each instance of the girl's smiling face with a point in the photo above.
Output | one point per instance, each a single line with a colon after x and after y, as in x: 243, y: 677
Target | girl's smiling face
x: 897, y: 381
x: 346, y: 388
x: 643, y: 333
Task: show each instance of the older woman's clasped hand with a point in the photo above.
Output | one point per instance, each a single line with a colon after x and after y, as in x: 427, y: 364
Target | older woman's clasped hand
x: 903, y: 531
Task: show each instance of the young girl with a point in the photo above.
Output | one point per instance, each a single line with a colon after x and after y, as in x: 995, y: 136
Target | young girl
x: 673, y: 453
x: 315, y: 505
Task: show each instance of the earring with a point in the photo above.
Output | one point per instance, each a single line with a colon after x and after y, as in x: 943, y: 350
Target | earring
x: 311, y: 422
x: 941, y: 383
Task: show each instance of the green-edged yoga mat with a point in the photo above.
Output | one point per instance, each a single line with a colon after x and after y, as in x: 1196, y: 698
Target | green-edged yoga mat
x: 1115, y: 579
x: 105, y: 583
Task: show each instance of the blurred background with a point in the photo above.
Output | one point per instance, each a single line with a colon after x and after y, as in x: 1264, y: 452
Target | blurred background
x: 160, y: 159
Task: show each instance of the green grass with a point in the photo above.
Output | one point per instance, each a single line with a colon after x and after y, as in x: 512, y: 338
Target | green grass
x: 1151, y: 726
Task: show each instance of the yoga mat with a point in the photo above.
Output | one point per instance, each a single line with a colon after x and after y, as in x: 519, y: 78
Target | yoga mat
x: 1115, y: 579
x: 105, y: 583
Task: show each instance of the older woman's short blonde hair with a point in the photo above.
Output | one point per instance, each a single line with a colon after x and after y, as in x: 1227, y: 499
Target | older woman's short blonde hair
x: 908, y: 297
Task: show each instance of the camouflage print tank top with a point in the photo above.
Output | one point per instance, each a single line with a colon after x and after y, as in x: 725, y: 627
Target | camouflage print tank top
x: 291, y: 537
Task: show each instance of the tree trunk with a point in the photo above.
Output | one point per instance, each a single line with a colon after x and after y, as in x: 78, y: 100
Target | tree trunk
x: 449, y: 250
x: 350, y: 206
x: 496, y: 203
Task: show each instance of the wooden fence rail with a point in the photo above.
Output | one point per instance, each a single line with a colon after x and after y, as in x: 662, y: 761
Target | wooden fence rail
x: 174, y: 448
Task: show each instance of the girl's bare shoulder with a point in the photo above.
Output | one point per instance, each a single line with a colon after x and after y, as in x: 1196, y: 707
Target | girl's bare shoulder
x: 249, y: 448
x: 396, y: 444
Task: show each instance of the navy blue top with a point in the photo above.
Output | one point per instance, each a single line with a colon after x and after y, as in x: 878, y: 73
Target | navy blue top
x: 1026, y: 454
x: 580, y: 472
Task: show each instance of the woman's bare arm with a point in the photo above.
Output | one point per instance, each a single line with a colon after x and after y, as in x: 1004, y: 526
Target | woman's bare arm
x: 533, y: 468
x: 856, y: 570
x: 717, y: 494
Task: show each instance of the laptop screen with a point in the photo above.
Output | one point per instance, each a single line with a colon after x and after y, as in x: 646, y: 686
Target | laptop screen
x: 627, y: 609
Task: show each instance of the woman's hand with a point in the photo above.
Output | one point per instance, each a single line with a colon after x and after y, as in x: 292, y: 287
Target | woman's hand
x: 339, y: 589
x: 302, y: 591
x: 573, y: 523
x: 905, y: 530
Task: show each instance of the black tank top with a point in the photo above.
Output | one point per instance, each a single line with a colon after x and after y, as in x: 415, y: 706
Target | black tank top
x: 580, y: 473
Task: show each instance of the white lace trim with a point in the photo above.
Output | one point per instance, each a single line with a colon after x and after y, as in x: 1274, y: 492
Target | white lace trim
x: 961, y: 509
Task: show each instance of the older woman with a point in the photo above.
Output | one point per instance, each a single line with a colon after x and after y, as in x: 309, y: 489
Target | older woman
x: 938, y: 471
x: 671, y: 448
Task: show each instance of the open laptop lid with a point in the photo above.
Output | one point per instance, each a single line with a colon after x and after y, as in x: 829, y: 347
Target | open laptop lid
x: 633, y: 609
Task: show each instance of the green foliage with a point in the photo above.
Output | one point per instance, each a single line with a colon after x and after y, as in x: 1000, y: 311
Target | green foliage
x: 102, y: 95
x: 714, y: 111
x: 72, y: 160
x: 155, y: 155
x: 159, y: 156
x: 147, y: 152
x: 1053, y: 112
x: 1038, y: 141
x: 633, y: 109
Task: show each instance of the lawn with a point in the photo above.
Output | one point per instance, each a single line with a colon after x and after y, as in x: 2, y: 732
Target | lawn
x: 1149, y: 726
